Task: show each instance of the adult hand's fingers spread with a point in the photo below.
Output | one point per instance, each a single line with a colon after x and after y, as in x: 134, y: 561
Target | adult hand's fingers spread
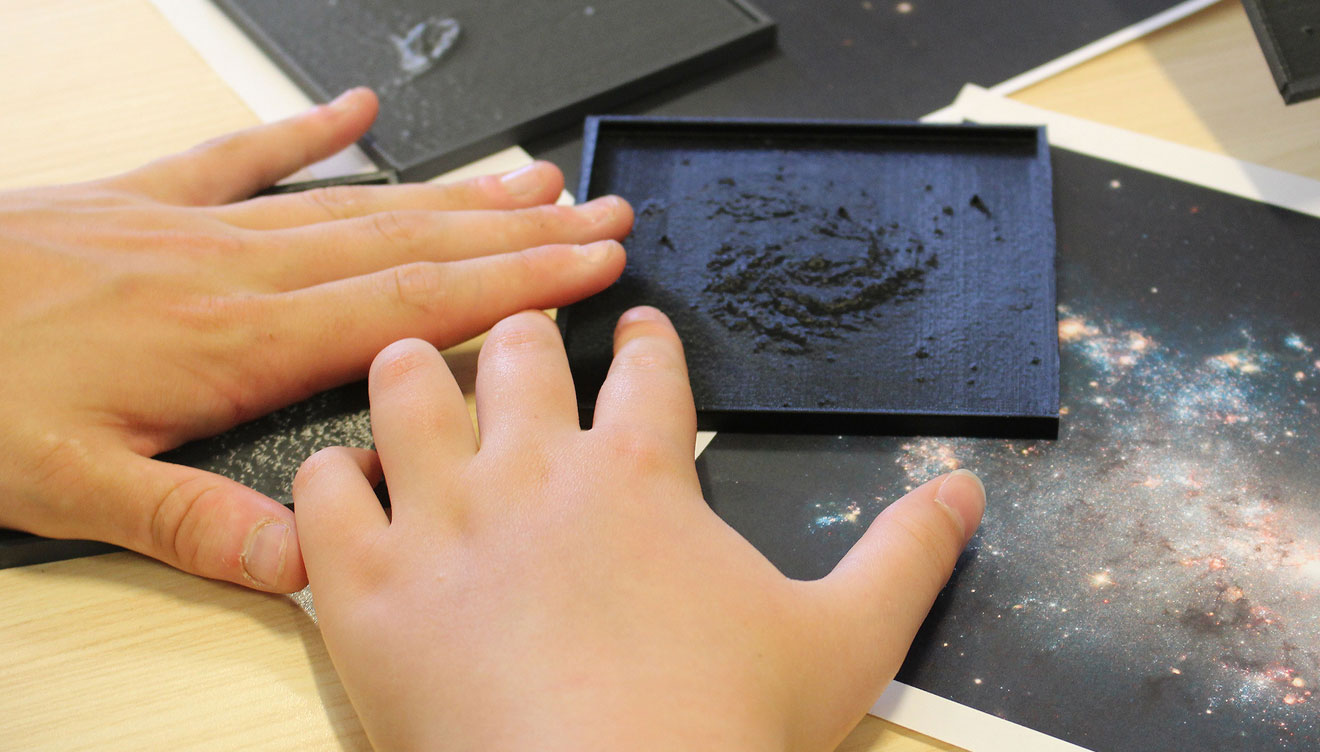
x: 306, y: 256
x: 326, y: 335
x: 533, y: 185
x: 885, y: 586
x: 647, y: 384
x: 419, y: 419
x: 237, y: 165
x: 337, y: 510
x: 523, y: 382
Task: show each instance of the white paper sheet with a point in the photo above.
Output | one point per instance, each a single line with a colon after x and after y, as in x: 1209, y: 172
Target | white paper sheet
x: 1140, y: 151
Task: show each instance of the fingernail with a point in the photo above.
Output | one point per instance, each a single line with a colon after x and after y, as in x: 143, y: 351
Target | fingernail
x: 263, y: 556
x: 600, y: 210
x: 344, y: 102
x: 596, y: 252
x: 524, y: 181
x: 641, y: 313
x: 963, y: 495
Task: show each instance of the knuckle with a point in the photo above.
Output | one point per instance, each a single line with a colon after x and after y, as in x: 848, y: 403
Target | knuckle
x: 221, y: 242
x: 335, y: 201
x: 232, y: 346
x: 486, y: 188
x: 527, y: 267
x: 400, y: 360
x: 312, y: 467
x: 560, y: 214
x: 528, y: 330
x: 59, y: 460
x: 228, y: 323
x: 234, y: 244
x: 205, y: 243
x: 642, y: 360
x: 642, y: 451
x: 420, y: 285
x: 399, y: 227
x: 648, y: 355
x: 179, y: 520
x: 542, y: 219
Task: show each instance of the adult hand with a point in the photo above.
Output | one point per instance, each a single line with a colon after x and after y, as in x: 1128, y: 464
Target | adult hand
x: 555, y: 588
x: 159, y: 306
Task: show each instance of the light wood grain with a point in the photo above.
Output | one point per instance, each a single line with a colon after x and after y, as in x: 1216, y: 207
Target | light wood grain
x: 95, y: 88
x: 119, y: 652
x: 1202, y: 83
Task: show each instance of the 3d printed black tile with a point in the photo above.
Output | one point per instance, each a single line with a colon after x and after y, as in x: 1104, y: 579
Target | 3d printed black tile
x: 1289, y: 34
x: 459, y: 82
x: 842, y: 278
x: 383, y: 177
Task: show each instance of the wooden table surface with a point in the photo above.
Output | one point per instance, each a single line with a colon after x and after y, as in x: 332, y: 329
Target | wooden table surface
x: 121, y: 652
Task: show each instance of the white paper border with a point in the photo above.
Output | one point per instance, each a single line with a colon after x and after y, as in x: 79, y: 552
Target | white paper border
x: 1139, y: 151
x: 960, y: 725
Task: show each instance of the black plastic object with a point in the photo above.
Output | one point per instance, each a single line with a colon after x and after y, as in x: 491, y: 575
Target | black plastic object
x: 836, y: 277
x: 461, y: 81
x: 19, y: 549
x: 1289, y: 34
x: 383, y: 177
x: 876, y: 60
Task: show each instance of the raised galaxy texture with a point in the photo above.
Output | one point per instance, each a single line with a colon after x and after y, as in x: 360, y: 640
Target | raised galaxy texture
x: 1151, y: 578
x: 857, y: 278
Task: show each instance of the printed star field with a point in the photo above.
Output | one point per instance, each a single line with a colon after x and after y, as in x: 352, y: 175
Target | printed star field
x: 1152, y: 578
x: 1161, y: 532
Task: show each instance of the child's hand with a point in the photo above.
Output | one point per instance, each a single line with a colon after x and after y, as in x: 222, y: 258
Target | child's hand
x: 146, y: 310
x: 564, y: 589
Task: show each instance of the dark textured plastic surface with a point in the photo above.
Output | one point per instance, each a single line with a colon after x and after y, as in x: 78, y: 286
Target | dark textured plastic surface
x: 515, y: 70
x: 1289, y: 34
x: 841, y: 278
x: 877, y: 60
x: 21, y: 550
x: 383, y: 177
x: 1147, y: 581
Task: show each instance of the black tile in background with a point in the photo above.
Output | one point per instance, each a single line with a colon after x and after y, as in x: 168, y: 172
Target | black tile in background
x: 1289, y: 34
x: 877, y: 60
x: 514, y: 70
